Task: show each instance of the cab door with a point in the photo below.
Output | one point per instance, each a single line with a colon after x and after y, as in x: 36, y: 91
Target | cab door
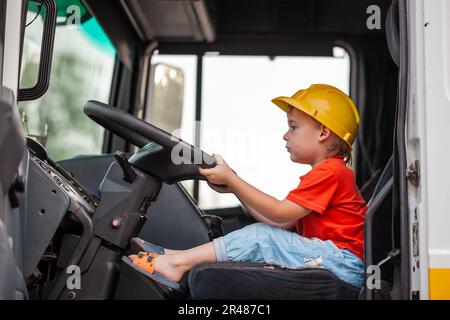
x: 427, y: 149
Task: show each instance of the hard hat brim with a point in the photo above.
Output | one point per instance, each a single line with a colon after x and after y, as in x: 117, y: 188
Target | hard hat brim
x: 284, y: 103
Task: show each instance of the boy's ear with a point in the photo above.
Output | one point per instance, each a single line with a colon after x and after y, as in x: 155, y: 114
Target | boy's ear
x: 324, y: 133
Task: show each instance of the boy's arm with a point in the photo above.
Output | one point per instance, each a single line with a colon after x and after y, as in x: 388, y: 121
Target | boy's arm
x: 259, y: 217
x: 279, y: 212
x: 255, y: 214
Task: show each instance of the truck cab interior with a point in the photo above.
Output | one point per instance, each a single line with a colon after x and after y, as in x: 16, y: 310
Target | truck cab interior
x: 84, y: 210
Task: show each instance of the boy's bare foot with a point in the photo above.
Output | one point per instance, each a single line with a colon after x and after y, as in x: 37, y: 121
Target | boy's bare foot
x: 168, y: 266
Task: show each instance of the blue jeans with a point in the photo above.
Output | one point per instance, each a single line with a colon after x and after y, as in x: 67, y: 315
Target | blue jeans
x: 262, y: 243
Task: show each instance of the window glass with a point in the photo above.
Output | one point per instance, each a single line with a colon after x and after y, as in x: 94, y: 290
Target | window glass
x: 187, y: 65
x: 32, y: 44
x: 240, y: 122
x: 82, y: 68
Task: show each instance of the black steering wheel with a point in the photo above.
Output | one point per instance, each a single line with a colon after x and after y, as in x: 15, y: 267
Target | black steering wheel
x: 155, y: 160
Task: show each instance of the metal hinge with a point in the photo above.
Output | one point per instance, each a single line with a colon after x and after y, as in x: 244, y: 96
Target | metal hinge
x: 413, y: 173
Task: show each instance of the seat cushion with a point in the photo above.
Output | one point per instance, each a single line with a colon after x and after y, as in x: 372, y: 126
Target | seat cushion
x: 244, y: 280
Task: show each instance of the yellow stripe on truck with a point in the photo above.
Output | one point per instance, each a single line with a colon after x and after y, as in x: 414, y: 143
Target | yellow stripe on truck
x: 440, y: 284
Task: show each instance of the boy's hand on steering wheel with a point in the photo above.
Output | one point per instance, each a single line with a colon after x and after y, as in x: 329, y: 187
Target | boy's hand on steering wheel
x: 219, y: 175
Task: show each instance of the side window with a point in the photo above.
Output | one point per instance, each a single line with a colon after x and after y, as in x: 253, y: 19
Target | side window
x: 240, y: 122
x: 77, y: 75
x: 160, y: 110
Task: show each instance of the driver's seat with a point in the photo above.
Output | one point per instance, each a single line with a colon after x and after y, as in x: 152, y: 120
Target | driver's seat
x: 253, y: 281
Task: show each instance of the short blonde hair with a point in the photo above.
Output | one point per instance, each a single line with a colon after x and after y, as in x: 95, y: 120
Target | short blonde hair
x: 340, y: 148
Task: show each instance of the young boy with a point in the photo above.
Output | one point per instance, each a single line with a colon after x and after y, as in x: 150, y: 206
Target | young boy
x: 326, y: 209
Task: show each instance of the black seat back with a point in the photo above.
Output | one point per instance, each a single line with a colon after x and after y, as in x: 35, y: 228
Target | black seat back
x: 368, y: 188
x: 378, y: 227
x: 379, y: 221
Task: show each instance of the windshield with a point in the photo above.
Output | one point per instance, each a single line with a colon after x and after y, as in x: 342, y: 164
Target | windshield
x: 82, y: 68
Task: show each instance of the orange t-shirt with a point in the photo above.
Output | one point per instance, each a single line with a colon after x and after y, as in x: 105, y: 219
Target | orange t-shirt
x: 338, y: 209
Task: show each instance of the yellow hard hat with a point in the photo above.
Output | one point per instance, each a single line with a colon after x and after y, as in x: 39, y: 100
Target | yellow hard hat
x: 328, y: 105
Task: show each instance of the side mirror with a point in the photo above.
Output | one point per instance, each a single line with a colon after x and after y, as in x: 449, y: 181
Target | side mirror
x: 165, y: 96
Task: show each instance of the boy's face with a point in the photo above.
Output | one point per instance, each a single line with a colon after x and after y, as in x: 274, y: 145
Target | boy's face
x: 303, y: 137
